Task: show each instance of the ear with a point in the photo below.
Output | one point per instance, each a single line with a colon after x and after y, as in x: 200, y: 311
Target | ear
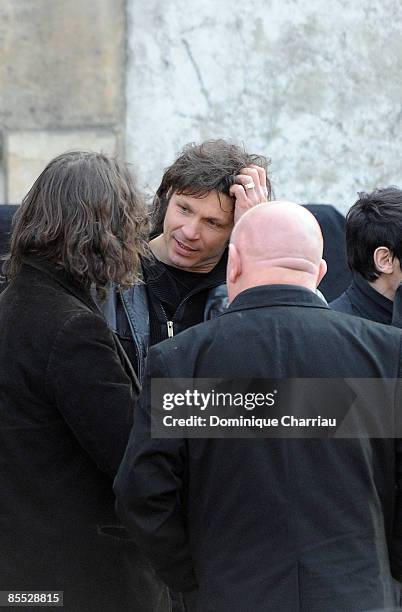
x: 234, y: 264
x: 383, y: 260
x: 322, y: 271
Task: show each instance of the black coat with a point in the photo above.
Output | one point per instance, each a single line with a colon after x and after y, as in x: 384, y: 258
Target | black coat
x: 270, y: 525
x: 66, y: 406
x: 332, y: 224
x: 362, y: 300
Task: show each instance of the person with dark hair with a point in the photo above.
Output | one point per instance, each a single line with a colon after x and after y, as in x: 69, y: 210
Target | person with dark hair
x: 201, y: 196
x: 67, y: 389
x: 277, y: 524
x: 374, y: 252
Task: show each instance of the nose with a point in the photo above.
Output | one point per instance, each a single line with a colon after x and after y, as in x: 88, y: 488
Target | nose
x: 191, y: 229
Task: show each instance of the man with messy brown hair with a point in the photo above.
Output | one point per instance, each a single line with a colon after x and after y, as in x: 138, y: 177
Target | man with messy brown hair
x: 213, y: 165
x: 201, y: 195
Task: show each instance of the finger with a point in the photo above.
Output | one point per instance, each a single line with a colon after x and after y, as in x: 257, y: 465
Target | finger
x: 238, y: 192
x: 260, y: 187
x: 242, y: 202
x: 262, y: 176
x: 246, y: 180
x: 251, y: 172
x: 253, y: 192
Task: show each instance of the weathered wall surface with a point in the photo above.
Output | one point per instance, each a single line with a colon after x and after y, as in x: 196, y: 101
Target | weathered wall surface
x: 61, y: 83
x: 316, y: 86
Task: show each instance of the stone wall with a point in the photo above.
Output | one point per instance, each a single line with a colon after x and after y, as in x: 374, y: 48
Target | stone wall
x: 62, y: 72
x: 316, y: 86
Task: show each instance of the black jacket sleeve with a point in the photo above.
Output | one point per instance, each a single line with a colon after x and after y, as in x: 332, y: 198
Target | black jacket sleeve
x: 91, y: 390
x: 149, y: 491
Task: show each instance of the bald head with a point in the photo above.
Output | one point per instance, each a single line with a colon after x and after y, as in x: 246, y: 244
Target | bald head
x: 275, y: 243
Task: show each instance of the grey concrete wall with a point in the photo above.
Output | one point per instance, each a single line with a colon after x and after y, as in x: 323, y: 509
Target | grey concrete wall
x: 316, y: 86
x: 61, y: 83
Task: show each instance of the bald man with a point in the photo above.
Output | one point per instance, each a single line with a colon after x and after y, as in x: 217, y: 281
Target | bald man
x: 289, y: 254
x: 278, y: 524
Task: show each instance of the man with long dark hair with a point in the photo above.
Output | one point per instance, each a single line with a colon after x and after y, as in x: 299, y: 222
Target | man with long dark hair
x: 67, y: 390
x: 201, y: 195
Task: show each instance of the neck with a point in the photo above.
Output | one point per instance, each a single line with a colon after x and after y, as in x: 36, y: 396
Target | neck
x: 272, y: 277
x: 158, y: 248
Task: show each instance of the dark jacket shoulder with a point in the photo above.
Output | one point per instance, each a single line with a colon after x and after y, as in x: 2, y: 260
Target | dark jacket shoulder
x: 302, y: 321
x: 343, y: 304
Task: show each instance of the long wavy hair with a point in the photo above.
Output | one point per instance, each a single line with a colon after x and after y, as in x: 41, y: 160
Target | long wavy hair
x: 199, y: 169
x: 85, y: 215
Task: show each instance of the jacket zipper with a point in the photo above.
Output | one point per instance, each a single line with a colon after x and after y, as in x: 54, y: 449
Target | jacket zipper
x: 169, y: 324
x: 170, y: 329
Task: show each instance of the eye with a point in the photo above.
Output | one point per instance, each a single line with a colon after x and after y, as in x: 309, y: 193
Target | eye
x: 182, y: 208
x: 213, y: 223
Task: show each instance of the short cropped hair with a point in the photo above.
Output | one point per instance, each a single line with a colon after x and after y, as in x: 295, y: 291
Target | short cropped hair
x: 85, y: 215
x: 202, y: 168
x: 374, y: 220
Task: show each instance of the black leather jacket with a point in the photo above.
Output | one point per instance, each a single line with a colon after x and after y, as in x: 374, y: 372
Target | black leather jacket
x: 127, y: 313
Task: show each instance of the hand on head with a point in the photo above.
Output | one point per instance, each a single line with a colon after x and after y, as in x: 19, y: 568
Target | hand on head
x: 276, y: 243
x: 249, y: 190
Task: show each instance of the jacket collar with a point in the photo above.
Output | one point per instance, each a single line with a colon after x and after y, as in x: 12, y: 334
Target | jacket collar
x: 276, y: 295
x: 368, y: 302
x: 81, y: 292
